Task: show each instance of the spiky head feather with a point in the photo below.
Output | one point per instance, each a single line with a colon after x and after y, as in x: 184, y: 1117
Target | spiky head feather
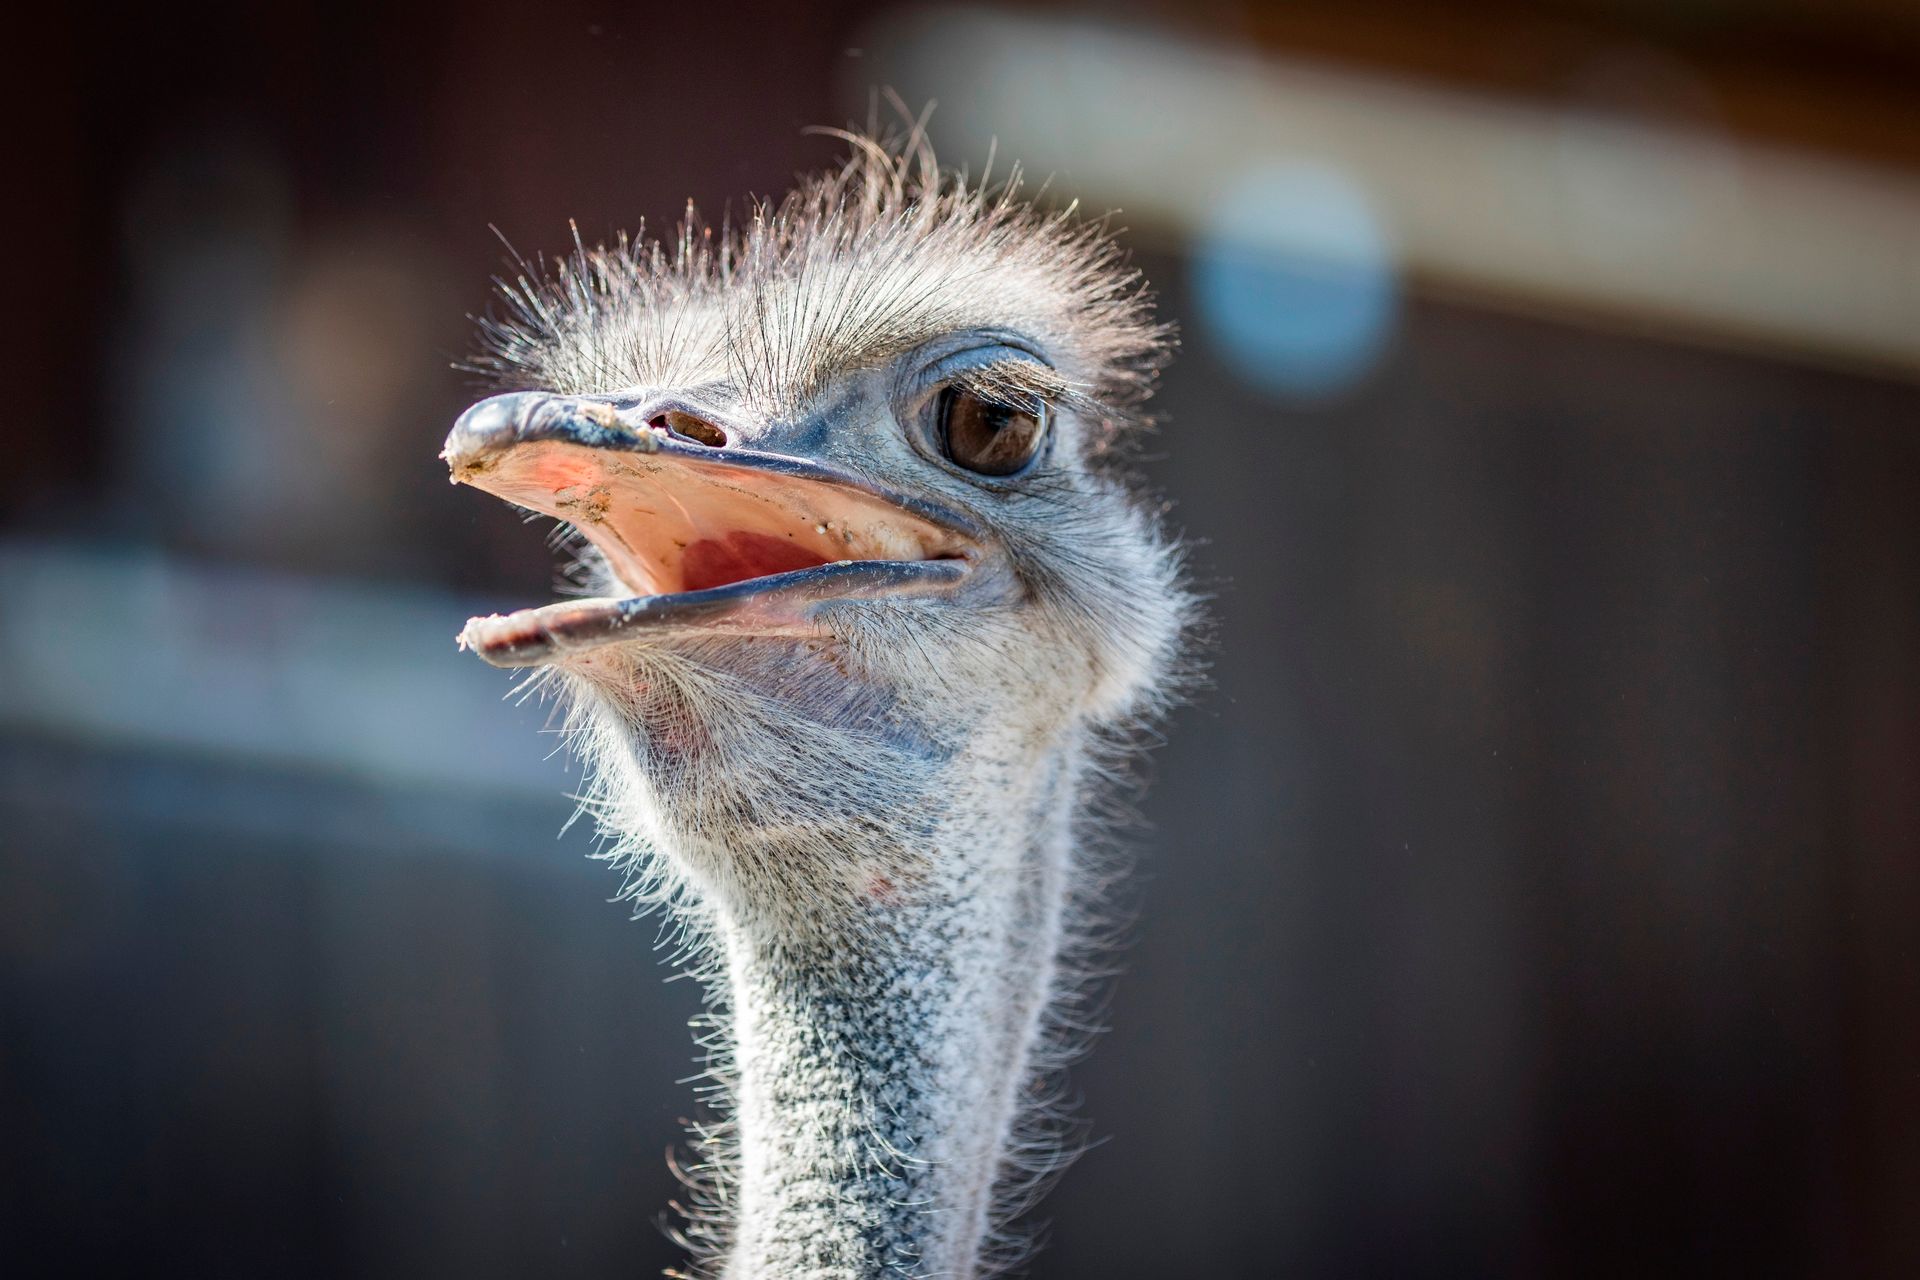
x: 847, y: 270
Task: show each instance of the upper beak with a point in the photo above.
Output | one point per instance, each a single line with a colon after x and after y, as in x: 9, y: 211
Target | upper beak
x: 706, y: 536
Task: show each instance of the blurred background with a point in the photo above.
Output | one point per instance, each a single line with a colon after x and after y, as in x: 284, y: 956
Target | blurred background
x: 1535, y: 890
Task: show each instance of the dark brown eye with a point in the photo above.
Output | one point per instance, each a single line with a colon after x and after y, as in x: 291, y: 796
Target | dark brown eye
x: 989, y: 437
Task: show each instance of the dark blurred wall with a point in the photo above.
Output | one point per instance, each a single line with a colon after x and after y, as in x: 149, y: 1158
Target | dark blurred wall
x: 1535, y: 892
x: 1532, y: 890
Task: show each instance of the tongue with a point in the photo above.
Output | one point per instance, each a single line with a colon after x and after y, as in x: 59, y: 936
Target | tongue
x: 717, y: 562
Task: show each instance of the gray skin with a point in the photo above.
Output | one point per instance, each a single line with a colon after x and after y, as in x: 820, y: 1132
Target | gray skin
x: 861, y: 781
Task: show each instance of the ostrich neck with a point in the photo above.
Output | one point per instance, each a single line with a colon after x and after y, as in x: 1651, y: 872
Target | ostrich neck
x: 878, y: 1078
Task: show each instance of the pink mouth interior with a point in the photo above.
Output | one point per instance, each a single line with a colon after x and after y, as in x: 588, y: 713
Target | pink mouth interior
x: 716, y: 562
x: 668, y: 524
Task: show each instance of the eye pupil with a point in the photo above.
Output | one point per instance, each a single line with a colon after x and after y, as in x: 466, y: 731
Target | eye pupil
x: 989, y: 437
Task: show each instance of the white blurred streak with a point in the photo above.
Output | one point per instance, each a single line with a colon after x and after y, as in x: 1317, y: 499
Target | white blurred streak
x: 1567, y: 209
x: 138, y: 650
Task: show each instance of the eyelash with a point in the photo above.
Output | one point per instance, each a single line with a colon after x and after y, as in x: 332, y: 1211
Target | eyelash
x: 994, y: 393
x: 995, y: 379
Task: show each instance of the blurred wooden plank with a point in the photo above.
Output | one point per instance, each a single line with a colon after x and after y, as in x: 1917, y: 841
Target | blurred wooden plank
x: 1685, y: 231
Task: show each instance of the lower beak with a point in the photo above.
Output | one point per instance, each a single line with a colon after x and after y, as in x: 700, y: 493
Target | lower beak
x: 707, y: 538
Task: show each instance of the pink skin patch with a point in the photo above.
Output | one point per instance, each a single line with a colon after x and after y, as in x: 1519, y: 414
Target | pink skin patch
x: 717, y: 562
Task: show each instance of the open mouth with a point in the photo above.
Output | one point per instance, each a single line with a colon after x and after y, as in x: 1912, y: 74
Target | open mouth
x: 708, y: 538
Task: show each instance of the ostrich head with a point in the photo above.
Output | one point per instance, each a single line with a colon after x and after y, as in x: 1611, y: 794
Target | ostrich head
x: 866, y: 609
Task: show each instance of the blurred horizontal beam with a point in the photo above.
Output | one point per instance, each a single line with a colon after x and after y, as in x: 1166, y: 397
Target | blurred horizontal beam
x: 121, y: 648
x: 1687, y: 230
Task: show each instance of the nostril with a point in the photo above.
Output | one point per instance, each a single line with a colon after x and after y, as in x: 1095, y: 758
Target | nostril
x: 688, y: 427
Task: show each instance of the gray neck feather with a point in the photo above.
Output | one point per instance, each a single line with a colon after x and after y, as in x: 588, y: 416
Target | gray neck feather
x: 876, y: 861
x: 878, y: 1076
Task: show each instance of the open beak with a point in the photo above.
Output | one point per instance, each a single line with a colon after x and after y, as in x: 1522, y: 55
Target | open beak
x: 708, y: 538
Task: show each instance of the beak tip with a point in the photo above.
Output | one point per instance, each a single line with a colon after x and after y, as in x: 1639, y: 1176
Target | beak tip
x: 495, y: 421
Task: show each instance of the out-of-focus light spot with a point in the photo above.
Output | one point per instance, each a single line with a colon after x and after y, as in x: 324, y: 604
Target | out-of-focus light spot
x: 1294, y: 278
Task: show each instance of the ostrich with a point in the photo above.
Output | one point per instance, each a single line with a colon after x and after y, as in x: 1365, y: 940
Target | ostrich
x: 870, y: 616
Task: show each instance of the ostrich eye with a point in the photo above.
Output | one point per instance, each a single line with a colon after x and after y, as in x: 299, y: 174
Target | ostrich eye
x: 988, y: 437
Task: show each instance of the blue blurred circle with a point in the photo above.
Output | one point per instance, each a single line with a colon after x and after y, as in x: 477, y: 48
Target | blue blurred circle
x: 1295, y: 279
